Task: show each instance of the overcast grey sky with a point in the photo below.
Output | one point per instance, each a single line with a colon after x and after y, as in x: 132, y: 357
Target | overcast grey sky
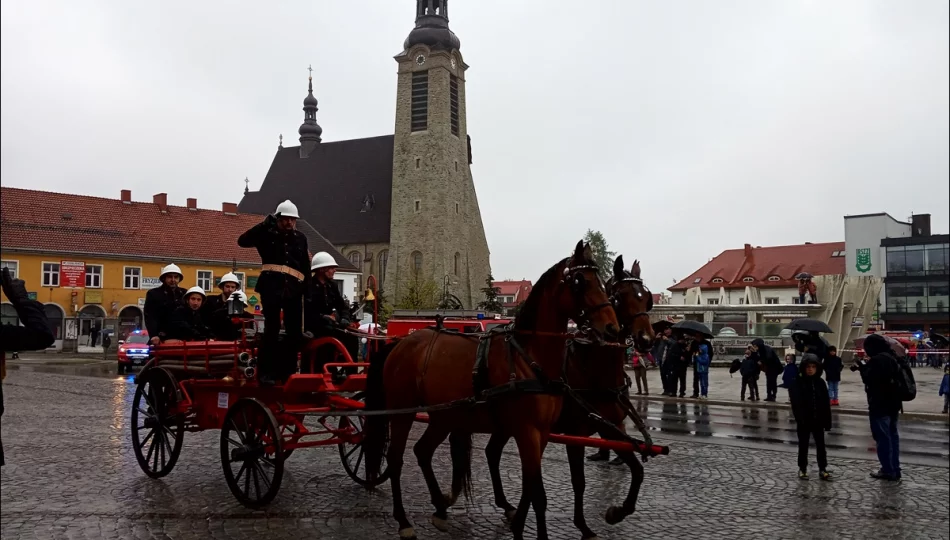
x: 678, y: 129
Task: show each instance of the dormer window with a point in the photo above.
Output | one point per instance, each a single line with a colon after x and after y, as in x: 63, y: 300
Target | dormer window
x: 717, y: 280
x: 775, y: 278
x: 748, y: 279
x: 697, y: 280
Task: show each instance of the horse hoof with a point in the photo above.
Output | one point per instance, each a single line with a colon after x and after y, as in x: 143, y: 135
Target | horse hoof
x: 614, y: 515
x: 449, y: 500
x: 439, y: 523
x: 407, y: 534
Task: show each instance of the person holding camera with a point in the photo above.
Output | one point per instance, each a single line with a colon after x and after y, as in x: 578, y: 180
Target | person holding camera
x: 878, y: 374
x: 33, y: 335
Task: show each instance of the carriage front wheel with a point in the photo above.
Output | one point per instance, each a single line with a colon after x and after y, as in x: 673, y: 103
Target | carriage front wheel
x: 252, y: 452
x: 351, y: 450
x: 157, y: 425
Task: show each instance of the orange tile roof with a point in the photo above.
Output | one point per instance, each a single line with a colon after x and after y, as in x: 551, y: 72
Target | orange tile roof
x: 760, y: 263
x: 50, y: 222
x: 518, y: 289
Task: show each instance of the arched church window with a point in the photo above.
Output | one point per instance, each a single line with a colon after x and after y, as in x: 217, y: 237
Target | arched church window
x: 416, y: 262
x: 458, y: 262
x: 357, y: 259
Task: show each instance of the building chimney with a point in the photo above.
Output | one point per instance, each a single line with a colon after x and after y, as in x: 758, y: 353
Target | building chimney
x: 192, y: 204
x: 126, y: 196
x: 229, y: 208
x: 748, y: 250
x: 920, y: 225
x: 161, y: 200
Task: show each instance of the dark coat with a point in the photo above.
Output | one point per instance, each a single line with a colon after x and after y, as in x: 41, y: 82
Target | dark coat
x: 160, y: 303
x: 188, y: 324
x: 832, y: 366
x: 34, y: 335
x: 750, y: 367
x: 771, y: 364
x: 878, y: 374
x: 810, y: 403
x: 324, y: 298
x: 282, y: 248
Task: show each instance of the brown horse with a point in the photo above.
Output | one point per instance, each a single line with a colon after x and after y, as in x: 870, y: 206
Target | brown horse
x: 603, y: 389
x: 431, y: 367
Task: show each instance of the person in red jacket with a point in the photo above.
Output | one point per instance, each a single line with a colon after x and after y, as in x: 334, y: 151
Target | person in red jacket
x: 807, y: 285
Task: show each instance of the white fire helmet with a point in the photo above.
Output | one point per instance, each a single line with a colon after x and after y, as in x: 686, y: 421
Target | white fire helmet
x: 171, y: 269
x: 287, y: 209
x: 229, y: 277
x: 195, y: 290
x: 322, y: 260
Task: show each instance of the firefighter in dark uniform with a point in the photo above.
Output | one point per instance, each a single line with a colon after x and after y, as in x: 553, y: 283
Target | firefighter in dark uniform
x: 214, y: 310
x: 188, y: 322
x: 161, y: 302
x: 327, y: 314
x: 283, y: 283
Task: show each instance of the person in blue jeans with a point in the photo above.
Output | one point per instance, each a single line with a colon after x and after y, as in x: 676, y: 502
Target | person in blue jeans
x: 832, y: 367
x: 702, y: 361
x: 878, y: 374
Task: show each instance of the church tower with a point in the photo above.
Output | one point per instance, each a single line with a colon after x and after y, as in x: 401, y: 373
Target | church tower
x: 436, y: 231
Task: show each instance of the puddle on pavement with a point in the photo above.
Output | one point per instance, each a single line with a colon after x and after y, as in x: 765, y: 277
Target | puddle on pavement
x: 99, y: 369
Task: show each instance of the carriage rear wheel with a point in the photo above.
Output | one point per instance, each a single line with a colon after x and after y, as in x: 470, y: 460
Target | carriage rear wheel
x: 252, y: 452
x: 352, y: 455
x: 157, y: 427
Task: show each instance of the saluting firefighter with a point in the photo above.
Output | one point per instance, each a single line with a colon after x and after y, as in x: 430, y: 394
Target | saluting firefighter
x: 327, y: 314
x: 283, y: 283
x: 161, y: 302
x: 215, y: 308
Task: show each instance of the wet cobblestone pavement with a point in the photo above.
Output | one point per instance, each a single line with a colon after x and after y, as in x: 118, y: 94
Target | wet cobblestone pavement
x: 71, y: 474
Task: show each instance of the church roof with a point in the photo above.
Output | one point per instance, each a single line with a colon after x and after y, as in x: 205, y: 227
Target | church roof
x: 343, y: 189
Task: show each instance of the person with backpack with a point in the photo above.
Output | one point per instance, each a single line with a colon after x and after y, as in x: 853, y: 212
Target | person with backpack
x: 888, y: 382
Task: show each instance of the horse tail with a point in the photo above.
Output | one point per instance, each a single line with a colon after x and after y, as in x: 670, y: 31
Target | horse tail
x: 376, y: 428
x: 460, y: 448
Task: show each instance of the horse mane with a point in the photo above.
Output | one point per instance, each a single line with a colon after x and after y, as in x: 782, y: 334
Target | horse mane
x: 528, y: 315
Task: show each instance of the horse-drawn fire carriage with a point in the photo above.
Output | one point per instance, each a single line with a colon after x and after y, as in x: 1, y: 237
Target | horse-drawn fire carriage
x: 526, y: 371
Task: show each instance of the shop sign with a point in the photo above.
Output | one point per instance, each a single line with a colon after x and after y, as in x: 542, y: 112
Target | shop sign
x: 72, y: 274
x: 93, y: 297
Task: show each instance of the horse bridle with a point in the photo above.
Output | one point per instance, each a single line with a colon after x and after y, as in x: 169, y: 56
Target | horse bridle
x: 574, y: 279
x: 616, y: 299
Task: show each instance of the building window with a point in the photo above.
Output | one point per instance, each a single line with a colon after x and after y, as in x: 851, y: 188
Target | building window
x: 796, y: 300
x: 417, y: 205
x: 458, y: 262
x: 742, y: 301
x: 420, y: 101
x: 356, y: 258
x: 93, y: 276
x: 937, y: 259
x: 8, y: 315
x: 775, y: 278
x: 717, y: 280
x: 383, y: 263
x: 454, y: 104
x: 418, y: 162
x: 771, y: 300
x: 205, y: 280
x: 456, y: 208
x: 712, y: 301
x: 920, y: 297
x: 697, y: 280
x: 12, y: 266
x: 748, y: 279
x: 240, y: 277
x: 50, y: 274
x: 416, y: 263
x: 132, y: 277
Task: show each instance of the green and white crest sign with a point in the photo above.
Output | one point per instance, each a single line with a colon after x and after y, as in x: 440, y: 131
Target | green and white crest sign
x: 863, y: 263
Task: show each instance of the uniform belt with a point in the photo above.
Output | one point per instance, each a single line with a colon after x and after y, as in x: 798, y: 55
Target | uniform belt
x: 283, y: 270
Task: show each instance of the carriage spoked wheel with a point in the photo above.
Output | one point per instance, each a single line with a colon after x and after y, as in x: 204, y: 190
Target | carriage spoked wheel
x: 157, y: 427
x: 352, y: 455
x: 252, y: 452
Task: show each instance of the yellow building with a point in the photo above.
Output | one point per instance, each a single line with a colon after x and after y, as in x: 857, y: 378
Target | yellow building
x: 90, y: 260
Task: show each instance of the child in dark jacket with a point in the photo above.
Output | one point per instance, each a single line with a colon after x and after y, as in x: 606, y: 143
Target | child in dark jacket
x: 945, y: 388
x: 812, y: 410
x: 832, y: 366
x: 789, y: 375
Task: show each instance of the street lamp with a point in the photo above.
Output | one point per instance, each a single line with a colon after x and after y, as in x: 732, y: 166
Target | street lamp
x: 445, y: 290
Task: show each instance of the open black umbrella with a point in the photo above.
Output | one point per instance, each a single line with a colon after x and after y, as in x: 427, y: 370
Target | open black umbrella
x: 809, y: 325
x: 660, y: 326
x: 804, y: 275
x: 939, y: 341
x: 693, y: 326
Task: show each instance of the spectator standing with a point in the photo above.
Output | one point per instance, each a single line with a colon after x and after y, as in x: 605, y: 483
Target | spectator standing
x: 832, y: 366
x: 812, y: 410
x: 749, y: 369
x: 878, y: 374
x: 639, y: 370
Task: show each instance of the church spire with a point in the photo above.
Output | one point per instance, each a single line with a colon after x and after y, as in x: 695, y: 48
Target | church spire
x: 432, y: 27
x: 309, y: 131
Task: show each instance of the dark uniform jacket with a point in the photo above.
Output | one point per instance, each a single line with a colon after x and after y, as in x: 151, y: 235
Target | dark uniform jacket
x: 160, y: 303
x: 324, y: 298
x: 188, y: 324
x: 215, y: 313
x: 282, y: 248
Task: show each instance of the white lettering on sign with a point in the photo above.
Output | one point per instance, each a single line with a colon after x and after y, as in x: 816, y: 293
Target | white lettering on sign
x: 222, y: 400
x: 149, y: 283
